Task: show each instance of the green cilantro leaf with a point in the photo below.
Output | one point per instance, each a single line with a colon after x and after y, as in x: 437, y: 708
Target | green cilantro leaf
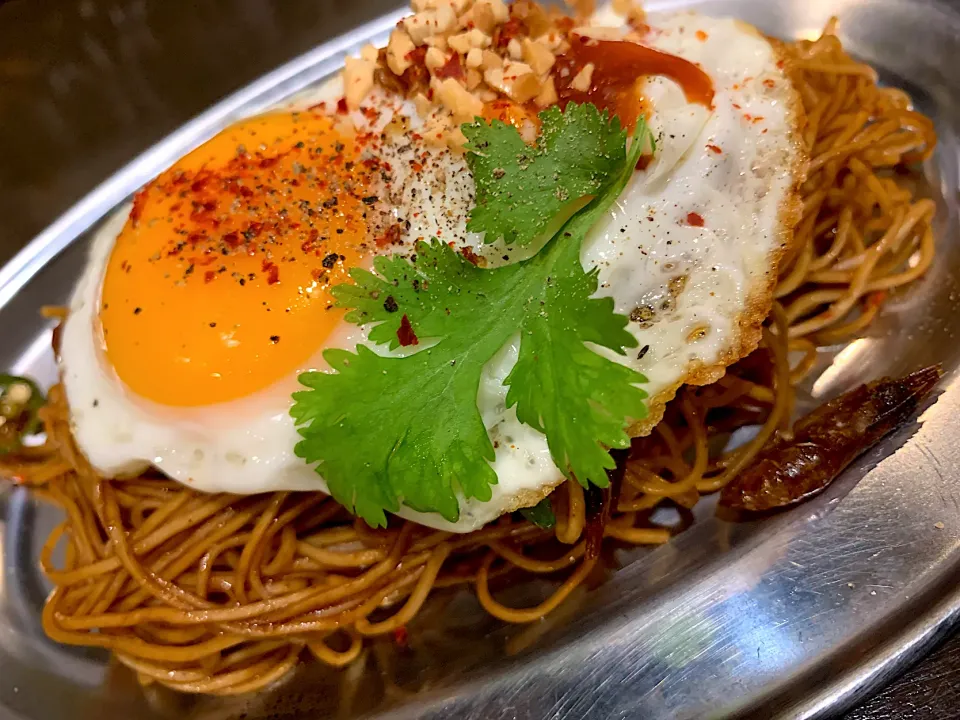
x: 520, y: 189
x: 389, y: 430
x: 541, y: 514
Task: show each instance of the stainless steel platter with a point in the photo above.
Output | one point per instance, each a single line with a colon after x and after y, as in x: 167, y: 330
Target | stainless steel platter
x: 800, y: 615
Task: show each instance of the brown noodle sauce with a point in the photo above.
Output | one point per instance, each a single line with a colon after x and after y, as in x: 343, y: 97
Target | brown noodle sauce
x: 224, y: 594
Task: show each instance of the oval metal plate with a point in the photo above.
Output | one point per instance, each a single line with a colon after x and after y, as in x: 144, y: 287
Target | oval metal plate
x: 796, y: 616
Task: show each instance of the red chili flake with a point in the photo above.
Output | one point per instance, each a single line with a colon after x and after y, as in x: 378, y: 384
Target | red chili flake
x: 342, y: 106
x: 512, y: 28
x: 470, y: 256
x: 735, y: 105
x: 405, y: 333
x: 310, y: 244
x: 701, y: 35
x: 643, y: 162
x: 390, y: 237
x: 137, y: 210
x: 209, y: 275
x: 714, y: 148
x: 321, y: 106
x: 768, y: 83
x: 695, y: 219
x: 417, y: 56
x: 268, y: 162
x: 780, y: 64
x: 875, y: 299
x: 206, y: 259
x: 450, y: 69
x: 400, y: 636
x: 272, y: 271
x: 232, y: 239
x: 758, y: 118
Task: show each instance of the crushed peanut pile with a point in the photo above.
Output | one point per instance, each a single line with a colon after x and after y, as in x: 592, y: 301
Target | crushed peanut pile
x: 462, y: 59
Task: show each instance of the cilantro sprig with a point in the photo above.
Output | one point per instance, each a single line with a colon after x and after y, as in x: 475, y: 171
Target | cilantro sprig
x: 520, y: 188
x: 389, y: 430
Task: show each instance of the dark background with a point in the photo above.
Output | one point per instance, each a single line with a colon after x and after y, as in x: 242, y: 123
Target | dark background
x: 85, y: 85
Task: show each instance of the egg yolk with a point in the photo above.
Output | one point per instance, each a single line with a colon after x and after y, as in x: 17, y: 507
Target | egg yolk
x: 219, y: 283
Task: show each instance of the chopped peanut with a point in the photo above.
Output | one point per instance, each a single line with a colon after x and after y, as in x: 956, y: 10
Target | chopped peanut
x: 369, y: 52
x: 437, y: 41
x: 460, y: 43
x: 534, y: 17
x: 494, y: 78
x: 582, y: 80
x: 547, y: 95
x: 474, y: 78
x: 456, y: 139
x: 422, y: 104
x: 420, y: 25
x: 525, y: 88
x: 398, y: 50
x: 429, y: 22
x: 446, y: 19
x: 491, y: 60
x: 464, y: 106
x: 434, y: 58
x: 474, y: 58
x: 481, y: 15
x: 515, y: 80
x: 512, y: 70
x: 537, y: 56
x: 515, y: 49
x: 357, y: 80
x: 463, y: 42
x: 499, y: 9
x: 479, y: 39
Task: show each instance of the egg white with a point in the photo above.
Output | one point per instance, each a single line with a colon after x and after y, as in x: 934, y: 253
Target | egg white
x: 744, y: 194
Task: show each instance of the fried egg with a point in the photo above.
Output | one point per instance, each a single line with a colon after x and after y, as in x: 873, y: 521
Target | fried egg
x: 203, y: 300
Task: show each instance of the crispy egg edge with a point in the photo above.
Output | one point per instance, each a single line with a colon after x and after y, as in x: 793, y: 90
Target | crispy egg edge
x: 759, y: 297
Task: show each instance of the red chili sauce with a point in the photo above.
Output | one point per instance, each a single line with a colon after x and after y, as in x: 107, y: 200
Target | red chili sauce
x: 618, y: 66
